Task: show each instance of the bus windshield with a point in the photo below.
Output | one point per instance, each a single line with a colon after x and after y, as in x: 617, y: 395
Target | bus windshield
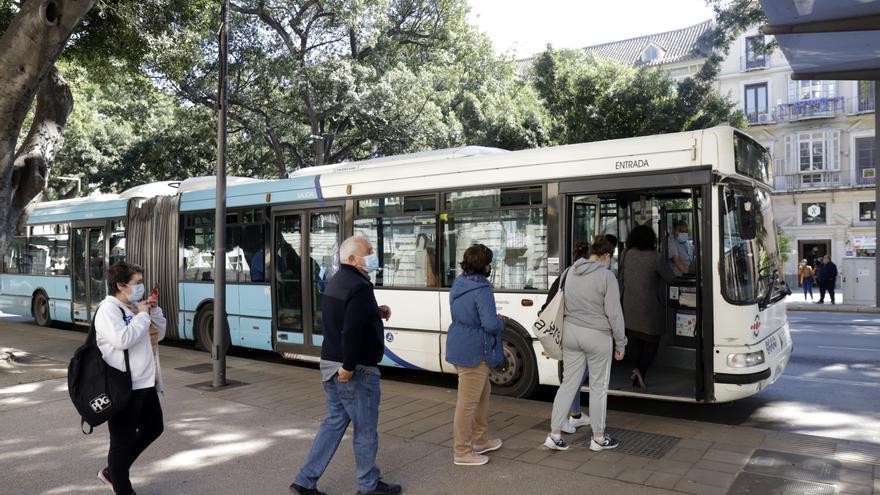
x: 750, y: 258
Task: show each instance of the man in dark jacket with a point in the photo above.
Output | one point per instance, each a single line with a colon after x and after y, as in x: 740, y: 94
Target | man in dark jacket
x: 353, y: 346
x: 827, y: 276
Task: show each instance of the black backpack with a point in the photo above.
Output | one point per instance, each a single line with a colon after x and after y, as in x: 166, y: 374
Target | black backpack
x: 98, y: 390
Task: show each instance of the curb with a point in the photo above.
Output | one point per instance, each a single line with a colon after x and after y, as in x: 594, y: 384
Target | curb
x: 816, y: 308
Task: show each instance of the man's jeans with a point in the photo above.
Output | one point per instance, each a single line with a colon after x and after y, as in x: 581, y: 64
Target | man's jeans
x: 355, y: 402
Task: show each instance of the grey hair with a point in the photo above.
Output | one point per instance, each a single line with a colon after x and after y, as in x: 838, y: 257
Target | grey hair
x: 349, y: 247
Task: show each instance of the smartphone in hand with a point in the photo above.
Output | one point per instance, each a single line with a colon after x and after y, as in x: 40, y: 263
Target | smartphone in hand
x: 154, y: 295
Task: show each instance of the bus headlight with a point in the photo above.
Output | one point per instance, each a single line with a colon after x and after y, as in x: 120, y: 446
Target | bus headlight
x: 745, y: 360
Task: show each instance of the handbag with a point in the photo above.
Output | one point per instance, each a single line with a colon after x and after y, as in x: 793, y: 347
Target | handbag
x: 98, y: 391
x: 548, y: 326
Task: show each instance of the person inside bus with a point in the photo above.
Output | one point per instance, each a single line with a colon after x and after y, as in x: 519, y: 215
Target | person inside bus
x: 681, y: 249
x: 474, y: 346
x: 642, y: 274
x: 253, y: 251
x: 124, y: 322
x: 594, y: 331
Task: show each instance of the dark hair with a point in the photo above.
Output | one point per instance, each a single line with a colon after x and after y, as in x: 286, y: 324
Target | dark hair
x: 612, y: 239
x: 601, y: 246
x: 120, y: 273
x: 580, y: 250
x: 643, y: 238
x: 476, y: 258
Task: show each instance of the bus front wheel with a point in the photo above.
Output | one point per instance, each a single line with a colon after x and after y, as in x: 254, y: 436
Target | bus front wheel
x: 517, y: 375
x: 40, y: 310
x: 205, y: 329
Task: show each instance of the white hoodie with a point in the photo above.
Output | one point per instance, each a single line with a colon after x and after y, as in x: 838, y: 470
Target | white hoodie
x: 115, y: 334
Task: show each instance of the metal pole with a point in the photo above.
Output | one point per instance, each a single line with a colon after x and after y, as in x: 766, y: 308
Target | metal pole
x: 876, y: 196
x: 218, y: 355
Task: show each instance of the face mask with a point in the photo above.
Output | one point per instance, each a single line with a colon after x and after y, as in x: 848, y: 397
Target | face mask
x: 371, y: 263
x: 137, y: 293
x: 682, y: 237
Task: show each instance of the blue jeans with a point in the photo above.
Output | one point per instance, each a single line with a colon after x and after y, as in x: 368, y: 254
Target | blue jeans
x: 355, y: 402
x: 576, y: 403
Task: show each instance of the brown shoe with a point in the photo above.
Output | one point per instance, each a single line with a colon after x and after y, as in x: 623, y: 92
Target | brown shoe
x: 493, y: 444
x: 470, y: 460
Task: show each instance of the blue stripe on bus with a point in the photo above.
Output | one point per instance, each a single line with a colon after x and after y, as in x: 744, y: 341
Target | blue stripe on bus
x: 282, y: 191
x: 398, y: 361
x: 65, y: 213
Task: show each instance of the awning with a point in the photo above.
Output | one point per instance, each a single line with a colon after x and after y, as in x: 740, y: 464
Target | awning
x: 827, y: 39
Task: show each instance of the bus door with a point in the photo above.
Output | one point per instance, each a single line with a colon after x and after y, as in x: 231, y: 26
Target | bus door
x: 89, y: 288
x: 305, y: 255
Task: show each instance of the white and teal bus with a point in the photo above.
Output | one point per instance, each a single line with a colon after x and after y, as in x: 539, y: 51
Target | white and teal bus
x: 726, y: 332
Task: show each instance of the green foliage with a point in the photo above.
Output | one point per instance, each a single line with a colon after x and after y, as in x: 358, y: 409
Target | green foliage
x: 592, y: 100
x: 732, y: 18
x: 784, y: 243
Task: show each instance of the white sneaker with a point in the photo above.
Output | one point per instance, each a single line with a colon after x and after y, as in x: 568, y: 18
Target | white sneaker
x: 567, y: 427
x: 554, y: 444
x: 584, y: 420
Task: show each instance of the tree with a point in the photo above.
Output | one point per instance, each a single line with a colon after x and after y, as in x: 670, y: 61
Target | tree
x: 324, y: 82
x: 35, y: 34
x: 110, y: 40
x: 732, y: 18
x: 593, y: 100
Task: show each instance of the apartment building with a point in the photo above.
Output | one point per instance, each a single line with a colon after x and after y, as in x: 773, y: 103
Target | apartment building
x: 821, y: 137
x: 820, y: 134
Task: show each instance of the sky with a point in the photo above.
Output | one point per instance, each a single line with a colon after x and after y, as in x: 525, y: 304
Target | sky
x: 524, y: 27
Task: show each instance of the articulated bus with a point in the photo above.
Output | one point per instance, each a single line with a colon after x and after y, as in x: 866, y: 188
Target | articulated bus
x: 726, y: 331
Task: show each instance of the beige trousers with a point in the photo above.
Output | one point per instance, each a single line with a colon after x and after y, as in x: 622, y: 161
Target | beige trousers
x: 470, y: 426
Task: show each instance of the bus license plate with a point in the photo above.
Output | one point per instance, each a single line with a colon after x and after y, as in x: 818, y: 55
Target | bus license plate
x: 772, y: 345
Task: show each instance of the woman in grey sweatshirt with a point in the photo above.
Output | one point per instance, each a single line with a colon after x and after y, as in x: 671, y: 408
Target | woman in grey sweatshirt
x: 593, y: 330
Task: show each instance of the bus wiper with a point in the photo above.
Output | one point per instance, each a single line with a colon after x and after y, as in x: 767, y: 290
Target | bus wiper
x: 771, y: 289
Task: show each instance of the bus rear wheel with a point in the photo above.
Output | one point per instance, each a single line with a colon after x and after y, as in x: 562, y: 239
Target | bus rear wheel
x: 517, y: 376
x: 205, y: 329
x: 40, y: 310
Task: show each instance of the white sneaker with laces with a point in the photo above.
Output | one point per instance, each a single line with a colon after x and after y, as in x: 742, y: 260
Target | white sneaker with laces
x: 584, y: 420
x: 555, y: 444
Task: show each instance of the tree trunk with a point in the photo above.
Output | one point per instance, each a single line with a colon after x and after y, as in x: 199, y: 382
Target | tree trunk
x: 29, y: 47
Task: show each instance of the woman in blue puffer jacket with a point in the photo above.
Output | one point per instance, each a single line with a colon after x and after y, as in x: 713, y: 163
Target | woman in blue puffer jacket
x: 474, y: 347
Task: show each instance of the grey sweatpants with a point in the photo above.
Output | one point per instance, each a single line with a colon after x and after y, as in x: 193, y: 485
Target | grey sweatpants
x: 582, y: 347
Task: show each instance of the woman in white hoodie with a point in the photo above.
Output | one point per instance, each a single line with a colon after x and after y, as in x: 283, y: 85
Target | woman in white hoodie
x: 123, y: 322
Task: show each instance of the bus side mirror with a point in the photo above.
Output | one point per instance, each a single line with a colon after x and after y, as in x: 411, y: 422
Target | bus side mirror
x: 747, y: 224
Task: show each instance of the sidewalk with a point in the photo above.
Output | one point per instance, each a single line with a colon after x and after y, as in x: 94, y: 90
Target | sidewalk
x: 796, y: 302
x: 251, y: 439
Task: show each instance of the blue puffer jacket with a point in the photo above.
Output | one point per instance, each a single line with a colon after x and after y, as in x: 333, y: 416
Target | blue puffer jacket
x: 475, y: 333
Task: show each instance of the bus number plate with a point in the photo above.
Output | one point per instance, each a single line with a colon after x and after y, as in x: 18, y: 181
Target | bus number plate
x: 772, y: 345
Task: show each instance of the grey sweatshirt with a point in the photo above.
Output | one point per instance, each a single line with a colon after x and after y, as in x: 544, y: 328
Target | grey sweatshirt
x: 592, y: 300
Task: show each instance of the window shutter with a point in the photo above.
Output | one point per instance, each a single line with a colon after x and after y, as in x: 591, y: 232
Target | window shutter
x: 791, y: 154
x: 832, y: 150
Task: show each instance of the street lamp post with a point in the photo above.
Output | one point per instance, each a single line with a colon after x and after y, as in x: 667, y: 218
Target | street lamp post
x: 218, y: 354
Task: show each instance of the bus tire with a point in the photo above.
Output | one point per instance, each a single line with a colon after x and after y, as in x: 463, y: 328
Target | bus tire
x: 517, y: 376
x: 40, y: 309
x: 205, y: 329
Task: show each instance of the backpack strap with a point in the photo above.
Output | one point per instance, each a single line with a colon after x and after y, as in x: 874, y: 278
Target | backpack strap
x: 125, y: 351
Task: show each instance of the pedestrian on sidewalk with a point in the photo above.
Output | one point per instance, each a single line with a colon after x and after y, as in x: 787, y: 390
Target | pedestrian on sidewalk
x: 473, y: 346
x: 827, y: 277
x: 353, y: 346
x: 805, y: 277
x: 644, y: 303
x: 124, y: 321
x: 593, y: 331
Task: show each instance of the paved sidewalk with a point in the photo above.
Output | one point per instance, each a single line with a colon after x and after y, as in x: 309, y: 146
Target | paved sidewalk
x: 251, y: 439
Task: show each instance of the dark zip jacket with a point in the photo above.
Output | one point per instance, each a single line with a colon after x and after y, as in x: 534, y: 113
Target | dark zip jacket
x: 353, y: 330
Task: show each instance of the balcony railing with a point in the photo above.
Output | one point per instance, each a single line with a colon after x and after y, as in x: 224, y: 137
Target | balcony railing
x: 805, y: 109
x: 818, y: 179
x: 863, y: 105
x: 746, y: 64
x: 756, y: 118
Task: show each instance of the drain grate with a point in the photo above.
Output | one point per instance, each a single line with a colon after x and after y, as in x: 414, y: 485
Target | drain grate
x: 752, y: 483
x: 793, y: 466
x: 197, y: 368
x: 638, y: 443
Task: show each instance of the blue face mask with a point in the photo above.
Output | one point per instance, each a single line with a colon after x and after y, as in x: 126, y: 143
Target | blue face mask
x: 137, y: 293
x: 371, y: 263
x: 682, y: 237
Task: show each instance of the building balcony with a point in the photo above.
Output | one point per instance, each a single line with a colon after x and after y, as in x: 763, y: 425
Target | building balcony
x: 862, y: 105
x: 755, y: 118
x: 809, y: 109
x: 822, y: 180
x: 754, y: 63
